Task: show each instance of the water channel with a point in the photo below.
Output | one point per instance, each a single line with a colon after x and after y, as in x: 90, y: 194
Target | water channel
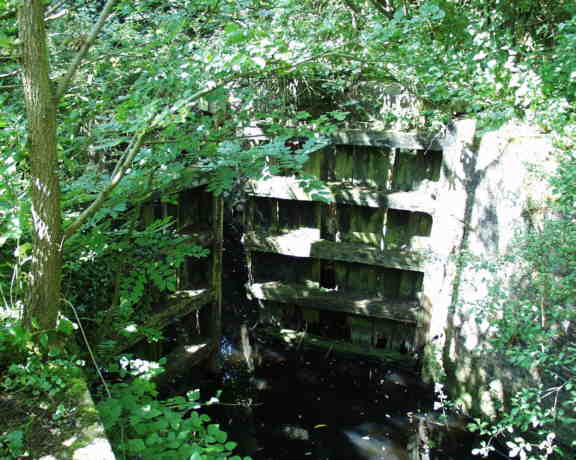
x: 286, y: 401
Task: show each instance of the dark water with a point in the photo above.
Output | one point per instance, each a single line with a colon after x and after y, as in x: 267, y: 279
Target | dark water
x: 281, y: 402
x: 307, y: 404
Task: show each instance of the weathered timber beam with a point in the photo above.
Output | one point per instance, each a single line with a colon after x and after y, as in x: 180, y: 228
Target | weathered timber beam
x: 188, y: 178
x: 406, y: 311
x: 184, y: 358
x: 201, y: 239
x: 387, y: 139
x: 180, y: 304
x: 296, y: 243
x: 306, y: 242
x: 313, y: 341
x: 291, y: 188
x: 350, y: 252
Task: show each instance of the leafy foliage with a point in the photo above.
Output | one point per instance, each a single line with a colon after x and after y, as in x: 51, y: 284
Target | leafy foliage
x: 38, y: 382
x: 142, y: 266
x: 172, y: 429
x: 532, y: 316
x: 192, y: 78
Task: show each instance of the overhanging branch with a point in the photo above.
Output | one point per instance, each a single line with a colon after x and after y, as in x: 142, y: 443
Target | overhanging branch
x: 155, y: 120
x: 65, y: 82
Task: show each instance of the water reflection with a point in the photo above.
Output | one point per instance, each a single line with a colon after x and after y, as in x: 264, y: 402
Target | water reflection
x: 374, y: 441
x: 302, y: 404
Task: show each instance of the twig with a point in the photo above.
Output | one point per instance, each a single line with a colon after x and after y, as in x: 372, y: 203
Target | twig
x: 54, y: 7
x: 65, y: 83
x: 90, y: 352
x: 58, y: 15
x: 10, y: 74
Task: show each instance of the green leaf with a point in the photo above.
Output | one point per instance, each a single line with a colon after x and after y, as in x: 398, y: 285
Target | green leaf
x: 5, y: 41
x: 153, y: 439
x: 230, y: 445
x: 136, y: 446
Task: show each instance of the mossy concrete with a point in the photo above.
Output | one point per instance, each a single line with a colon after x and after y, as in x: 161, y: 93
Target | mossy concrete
x: 87, y: 439
x: 64, y: 426
x: 488, y: 194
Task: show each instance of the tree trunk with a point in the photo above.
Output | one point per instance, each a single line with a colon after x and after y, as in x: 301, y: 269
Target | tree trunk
x: 42, y: 309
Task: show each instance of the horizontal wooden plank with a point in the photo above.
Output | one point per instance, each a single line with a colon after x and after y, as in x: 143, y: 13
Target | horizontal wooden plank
x: 387, y: 139
x: 180, y: 304
x: 292, y: 188
x: 365, y: 138
x: 306, y: 340
x: 364, y: 254
x: 296, y: 243
x: 346, y: 302
x: 306, y: 242
x: 184, y: 358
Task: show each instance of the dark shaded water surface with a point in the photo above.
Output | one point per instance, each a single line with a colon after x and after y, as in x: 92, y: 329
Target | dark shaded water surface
x: 287, y: 402
x: 306, y: 404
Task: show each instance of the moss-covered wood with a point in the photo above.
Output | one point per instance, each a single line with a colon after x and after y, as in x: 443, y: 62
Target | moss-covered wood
x: 296, y: 243
x: 215, y: 326
x: 359, y: 278
x: 306, y: 242
x: 403, y: 226
x: 358, y: 224
x: 297, y: 214
x: 351, y: 302
x: 363, y: 254
x: 411, y: 141
x: 293, y: 188
x: 305, y: 340
x: 179, y: 305
x: 195, y: 211
x: 313, y: 166
x: 377, y: 281
x: 359, y: 166
x: 281, y: 214
x: 361, y: 330
x: 276, y: 267
x: 412, y: 169
x: 387, y: 334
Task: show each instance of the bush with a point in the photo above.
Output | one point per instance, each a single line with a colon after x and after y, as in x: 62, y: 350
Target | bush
x: 138, y: 424
x: 530, y: 307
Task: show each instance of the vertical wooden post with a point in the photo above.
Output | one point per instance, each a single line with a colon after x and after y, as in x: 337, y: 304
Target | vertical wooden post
x: 216, y: 280
x: 419, y: 443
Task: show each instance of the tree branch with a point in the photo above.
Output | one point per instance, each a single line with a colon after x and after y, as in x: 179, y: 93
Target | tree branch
x: 154, y: 120
x: 10, y: 74
x: 124, y: 163
x: 117, y: 176
x: 52, y: 8
x: 65, y: 82
x: 58, y: 15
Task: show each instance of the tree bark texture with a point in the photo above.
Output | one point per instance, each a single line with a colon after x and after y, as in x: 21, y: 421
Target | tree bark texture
x: 42, y: 309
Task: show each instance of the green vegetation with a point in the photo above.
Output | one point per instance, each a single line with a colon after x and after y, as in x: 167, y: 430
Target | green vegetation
x: 530, y: 307
x: 133, y: 101
x: 41, y: 390
x: 161, y: 429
